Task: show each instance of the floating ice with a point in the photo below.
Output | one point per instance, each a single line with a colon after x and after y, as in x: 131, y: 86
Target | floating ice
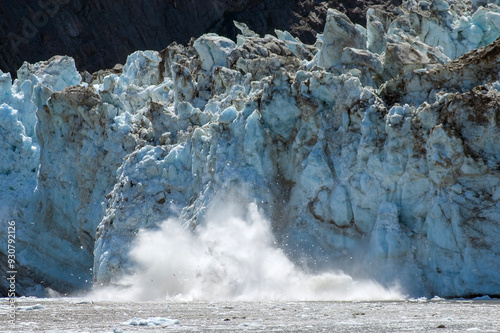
x: 30, y: 307
x: 152, y: 322
x: 482, y: 298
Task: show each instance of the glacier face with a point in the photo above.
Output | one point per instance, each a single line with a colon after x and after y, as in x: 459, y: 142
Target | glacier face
x: 375, y: 151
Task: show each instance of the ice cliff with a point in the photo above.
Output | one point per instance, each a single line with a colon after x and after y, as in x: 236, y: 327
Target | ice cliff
x: 375, y: 151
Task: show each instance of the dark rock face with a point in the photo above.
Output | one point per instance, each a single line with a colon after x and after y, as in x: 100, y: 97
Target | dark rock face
x: 98, y: 34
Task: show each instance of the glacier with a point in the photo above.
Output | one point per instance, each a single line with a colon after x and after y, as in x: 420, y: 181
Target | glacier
x: 375, y: 151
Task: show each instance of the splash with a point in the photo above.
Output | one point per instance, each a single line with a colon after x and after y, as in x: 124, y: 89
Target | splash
x: 233, y: 256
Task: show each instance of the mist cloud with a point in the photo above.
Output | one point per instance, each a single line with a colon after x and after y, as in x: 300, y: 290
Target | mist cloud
x: 231, y: 256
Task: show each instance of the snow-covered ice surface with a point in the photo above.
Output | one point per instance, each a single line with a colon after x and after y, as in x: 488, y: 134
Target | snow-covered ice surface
x: 79, y: 315
x: 371, y: 158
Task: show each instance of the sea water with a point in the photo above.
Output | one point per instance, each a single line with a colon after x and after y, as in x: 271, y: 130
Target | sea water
x: 87, y: 315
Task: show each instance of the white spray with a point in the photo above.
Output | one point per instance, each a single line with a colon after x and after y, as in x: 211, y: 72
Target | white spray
x: 229, y: 257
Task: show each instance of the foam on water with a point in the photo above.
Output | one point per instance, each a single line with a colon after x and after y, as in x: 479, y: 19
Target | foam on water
x: 231, y: 256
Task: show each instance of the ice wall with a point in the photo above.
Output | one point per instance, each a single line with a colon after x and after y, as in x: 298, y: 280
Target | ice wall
x: 21, y: 101
x: 375, y: 151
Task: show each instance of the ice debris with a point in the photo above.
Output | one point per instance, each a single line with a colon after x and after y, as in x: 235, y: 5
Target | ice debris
x: 30, y: 307
x: 152, y: 322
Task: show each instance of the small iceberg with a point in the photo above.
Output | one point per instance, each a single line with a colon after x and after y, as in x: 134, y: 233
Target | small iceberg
x: 152, y: 322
